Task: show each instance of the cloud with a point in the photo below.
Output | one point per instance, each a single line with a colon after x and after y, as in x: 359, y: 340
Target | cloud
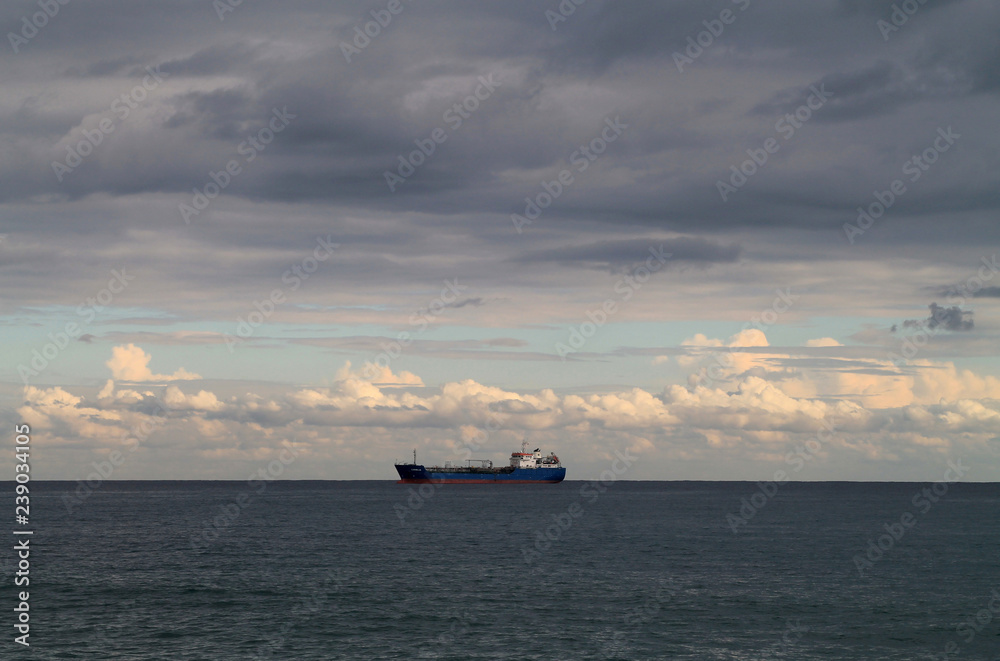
x: 701, y: 340
x: 615, y: 255
x: 874, y: 382
x: 505, y: 342
x: 823, y: 342
x: 203, y: 401
x: 951, y: 319
x: 475, y: 301
x: 378, y: 375
x: 733, y: 363
x: 130, y: 363
x: 180, y: 337
x: 988, y: 292
x: 362, y: 423
x: 65, y: 415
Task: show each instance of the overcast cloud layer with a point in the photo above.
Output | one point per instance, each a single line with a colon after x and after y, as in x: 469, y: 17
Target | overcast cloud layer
x: 228, y: 227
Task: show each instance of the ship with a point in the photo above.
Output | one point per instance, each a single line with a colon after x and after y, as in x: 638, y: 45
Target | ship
x: 525, y: 468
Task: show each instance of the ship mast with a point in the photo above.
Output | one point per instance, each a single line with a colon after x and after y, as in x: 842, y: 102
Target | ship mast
x: 414, y: 456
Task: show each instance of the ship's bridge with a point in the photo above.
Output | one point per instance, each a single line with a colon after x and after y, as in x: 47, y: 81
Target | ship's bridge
x: 524, y: 459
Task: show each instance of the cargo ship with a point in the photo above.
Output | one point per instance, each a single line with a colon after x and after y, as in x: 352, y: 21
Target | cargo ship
x: 525, y: 468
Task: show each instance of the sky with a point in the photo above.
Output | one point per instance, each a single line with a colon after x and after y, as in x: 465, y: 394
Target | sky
x: 726, y: 238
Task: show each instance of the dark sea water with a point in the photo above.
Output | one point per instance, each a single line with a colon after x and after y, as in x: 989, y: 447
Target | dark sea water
x: 653, y: 570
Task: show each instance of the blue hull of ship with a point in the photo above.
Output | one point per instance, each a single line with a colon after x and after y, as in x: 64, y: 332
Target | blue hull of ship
x: 416, y: 474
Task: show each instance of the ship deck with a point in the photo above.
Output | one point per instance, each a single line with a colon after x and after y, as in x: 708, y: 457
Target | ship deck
x: 467, y: 469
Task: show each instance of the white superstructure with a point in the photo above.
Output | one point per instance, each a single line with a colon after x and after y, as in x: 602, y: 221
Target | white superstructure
x: 525, y: 459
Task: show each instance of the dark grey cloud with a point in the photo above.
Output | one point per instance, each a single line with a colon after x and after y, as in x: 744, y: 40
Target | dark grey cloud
x: 475, y: 301
x: 354, y: 120
x: 939, y: 72
x: 877, y: 89
x: 965, y: 291
x: 947, y: 318
x: 219, y: 114
x: 217, y: 60
x: 100, y: 68
x: 617, y: 255
x: 883, y: 8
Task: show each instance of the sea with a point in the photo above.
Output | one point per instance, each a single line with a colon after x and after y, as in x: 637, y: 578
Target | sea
x: 578, y: 570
